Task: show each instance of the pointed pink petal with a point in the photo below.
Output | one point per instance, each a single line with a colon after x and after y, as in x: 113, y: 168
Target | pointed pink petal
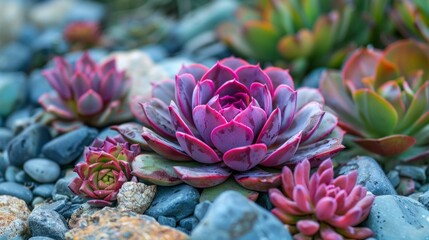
x: 219, y: 74
x: 80, y: 84
x: 164, y: 147
x: 185, y: 85
x: 253, y: 117
x: 90, y: 103
x: 203, y: 92
x: 325, y: 209
x: 206, y: 119
x: 261, y: 94
x: 258, y: 180
x: 204, y: 176
x: 245, y: 158
x: 197, y: 149
x: 283, y: 153
x: 231, y: 135
x: 308, y: 227
x: 279, y: 76
x: 285, y: 98
x: 249, y: 74
x: 53, y: 104
x: 158, y: 116
x: 196, y: 70
x: 270, y: 130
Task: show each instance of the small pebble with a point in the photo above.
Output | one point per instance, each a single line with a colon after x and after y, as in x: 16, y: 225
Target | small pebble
x: 5, y: 136
x: 201, y: 209
x: 189, y: 223
x: 36, y: 201
x: 61, y: 186
x: 394, y: 178
x: 177, y: 201
x: 40, y: 238
x: 16, y: 190
x: 135, y: 197
x: 23, y: 178
x: 44, y: 190
x: 11, y: 172
x: 167, y: 221
x: 42, y: 170
x: 424, y: 199
x: 414, y: 172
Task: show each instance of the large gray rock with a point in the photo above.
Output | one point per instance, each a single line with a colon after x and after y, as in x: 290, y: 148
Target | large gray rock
x: 47, y: 223
x: 232, y: 216
x: 398, y: 217
x: 370, y: 175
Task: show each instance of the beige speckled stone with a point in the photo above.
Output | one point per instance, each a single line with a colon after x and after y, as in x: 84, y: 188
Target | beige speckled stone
x: 109, y: 223
x: 13, y: 218
x: 135, y: 197
x: 81, y: 216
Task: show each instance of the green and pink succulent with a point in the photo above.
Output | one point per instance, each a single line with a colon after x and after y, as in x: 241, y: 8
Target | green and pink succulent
x: 87, y: 93
x: 233, y: 119
x: 105, y: 169
x: 321, y: 206
x: 303, y: 34
x: 382, y: 100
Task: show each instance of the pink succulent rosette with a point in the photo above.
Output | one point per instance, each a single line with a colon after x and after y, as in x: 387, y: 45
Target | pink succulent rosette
x: 321, y: 206
x: 87, y: 93
x: 234, y: 119
x: 105, y: 170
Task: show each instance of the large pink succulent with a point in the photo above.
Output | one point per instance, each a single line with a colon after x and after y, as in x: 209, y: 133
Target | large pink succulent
x: 321, y: 206
x: 232, y: 118
x: 105, y: 170
x: 88, y: 93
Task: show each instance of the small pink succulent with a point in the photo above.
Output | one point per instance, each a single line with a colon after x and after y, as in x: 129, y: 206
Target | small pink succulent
x: 322, y: 207
x: 105, y: 170
x: 87, y: 93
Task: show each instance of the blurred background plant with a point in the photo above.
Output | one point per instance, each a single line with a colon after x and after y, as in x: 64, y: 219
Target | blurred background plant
x: 304, y: 35
x: 411, y: 18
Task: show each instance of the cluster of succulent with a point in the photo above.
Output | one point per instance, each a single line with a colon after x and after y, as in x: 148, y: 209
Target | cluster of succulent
x: 89, y: 93
x: 321, y: 206
x: 381, y: 98
x: 382, y: 101
x: 303, y: 34
x: 232, y: 119
x: 105, y: 169
x: 412, y: 18
x: 82, y: 35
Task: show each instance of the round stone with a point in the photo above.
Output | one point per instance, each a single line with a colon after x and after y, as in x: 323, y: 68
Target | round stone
x: 16, y: 190
x: 42, y: 170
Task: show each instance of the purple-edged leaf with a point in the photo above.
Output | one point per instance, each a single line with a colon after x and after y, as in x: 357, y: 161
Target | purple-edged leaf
x: 325, y: 128
x: 137, y: 109
x: 279, y: 76
x: 196, y: 70
x: 132, y: 132
x: 306, y: 120
x: 219, y: 74
x: 258, y: 180
x: 231, y: 135
x: 231, y: 87
x: 270, y: 130
x: 210, y: 194
x: 80, y: 84
x: 85, y: 64
x: 65, y: 127
x: 178, y: 122
x: 250, y: 74
x: 206, y: 119
x: 158, y: 116
x: 90, y: 103
x: 109, y: 86
x: 381, y: 117
x: 157, y: 170
x: 98, y: 203
x: 197, y: 149
x: 203, y: 92
x: 58, y: 83
x: 185, y: 85
x: 387, y: 146
x: 230, y: 112
x: 262, y: 95
x: 317, y: 152
x: 164, y: 90
x: 233, y: 62
x: 306, y: 95
x: 283, y: 153
x: 285, y: 98
x: 253, y: 117
x: 245, y: 158
x: 203, y: 176
x: 164, y: 147
x: 406, y: 186
x: 53, y: 104
x: 108, y: 65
